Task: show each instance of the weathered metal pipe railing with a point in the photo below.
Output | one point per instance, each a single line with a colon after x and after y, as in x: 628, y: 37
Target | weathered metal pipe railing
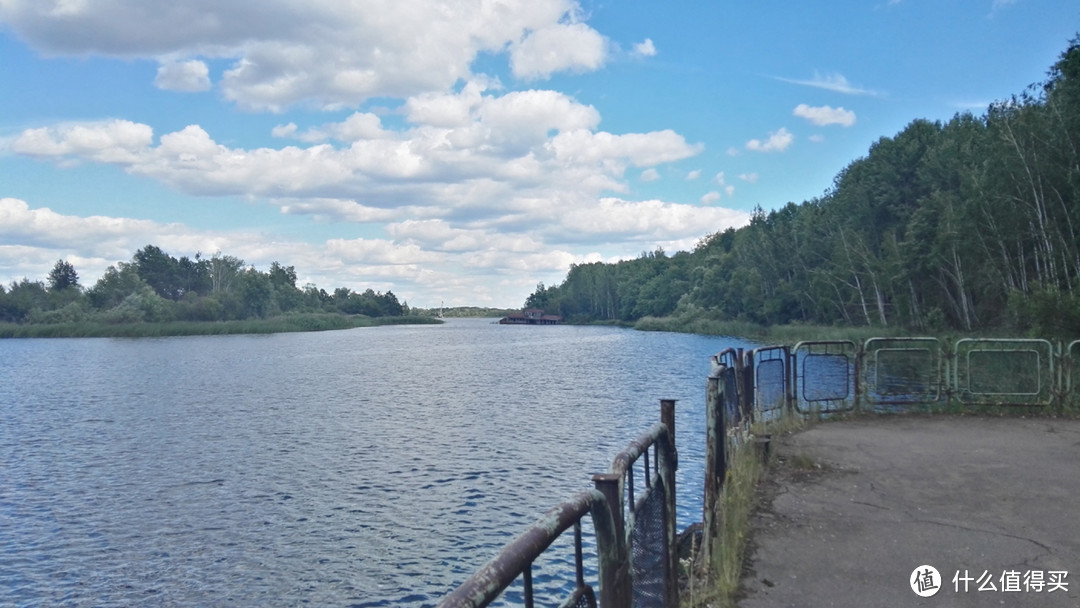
x: 654, y: 582
x: 893, y: 374
x: 615, y: 521
x: 835, y: 376
x: 516, y: 558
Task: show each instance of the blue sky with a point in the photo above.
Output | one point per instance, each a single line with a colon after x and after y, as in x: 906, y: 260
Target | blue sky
x: 460, y: 152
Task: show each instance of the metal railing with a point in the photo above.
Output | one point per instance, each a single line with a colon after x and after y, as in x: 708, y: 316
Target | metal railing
x: 650, y: 516
x: 1071, y: 369
x: 903, y: 371
x: 825, y: 374
x: 882, y: 374
x: 634, y: 531
x: 516, y: 559
x: 893, y: 374
x: 1014, y: 372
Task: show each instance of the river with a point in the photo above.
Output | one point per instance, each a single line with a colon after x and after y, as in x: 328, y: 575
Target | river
x: 367, y: 467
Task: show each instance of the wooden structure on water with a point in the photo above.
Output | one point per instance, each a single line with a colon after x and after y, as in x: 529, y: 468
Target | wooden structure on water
x: 530, y: 316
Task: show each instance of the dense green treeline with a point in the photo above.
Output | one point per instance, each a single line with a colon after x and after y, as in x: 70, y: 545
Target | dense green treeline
x: 155, y: 287
x: 966, y: 225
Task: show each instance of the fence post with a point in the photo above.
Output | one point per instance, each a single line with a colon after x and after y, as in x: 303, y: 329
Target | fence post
x: 715, y: 466
x: 667, y: 416
x: 948, y: 357
x: 860, y: 351
x: 746, y: 386
x: 793, y: 380
x: 789, y: 368
x: 1059, y: 376
x: 615, y: 584
x: 669, y: 462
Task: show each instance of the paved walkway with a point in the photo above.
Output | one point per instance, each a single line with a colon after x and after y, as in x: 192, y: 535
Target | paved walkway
x: 963, y: 494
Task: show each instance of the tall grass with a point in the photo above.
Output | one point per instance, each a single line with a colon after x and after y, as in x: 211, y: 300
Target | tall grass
x: 697, y: 322
x: 736, y: 505
x: 738, y: 499
x: 771, y: 334
x: 718, y: 588
x: 701, y: 325
x: 282, y: 324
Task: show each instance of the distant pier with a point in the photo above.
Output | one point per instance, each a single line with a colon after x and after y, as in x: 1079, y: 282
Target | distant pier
x: 530, y: 316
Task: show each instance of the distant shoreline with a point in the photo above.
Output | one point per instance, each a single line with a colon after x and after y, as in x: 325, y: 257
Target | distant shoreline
x: 282, y: 324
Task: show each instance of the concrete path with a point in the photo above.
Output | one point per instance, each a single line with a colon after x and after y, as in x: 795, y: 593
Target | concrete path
x: 854, y: 507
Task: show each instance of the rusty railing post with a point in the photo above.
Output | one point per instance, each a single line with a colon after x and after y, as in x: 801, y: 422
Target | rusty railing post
x: 669, y: 463
x: 857, y: 372
x: 791, y: 393
x: 667, y: 416
x: 611, y: 550
x: 746, y: 391
x: 715, y: 466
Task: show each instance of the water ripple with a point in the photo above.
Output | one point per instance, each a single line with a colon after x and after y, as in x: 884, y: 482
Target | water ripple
x: 368, y: 467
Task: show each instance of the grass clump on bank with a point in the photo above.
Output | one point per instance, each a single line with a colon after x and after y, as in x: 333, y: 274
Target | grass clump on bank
x: 280, y: 324
x: 737, y: 505
x: 747, y: 467
x: 718, y: 588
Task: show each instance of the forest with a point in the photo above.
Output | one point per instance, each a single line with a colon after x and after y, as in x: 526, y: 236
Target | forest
x: 156, y: 287
x: 968, y: 225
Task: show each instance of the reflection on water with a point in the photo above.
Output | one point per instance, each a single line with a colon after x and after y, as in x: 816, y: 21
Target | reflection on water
x: 367, y: 467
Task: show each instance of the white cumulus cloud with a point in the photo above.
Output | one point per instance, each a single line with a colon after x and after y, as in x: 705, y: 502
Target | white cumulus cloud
x: 778, y: 141
x: 558, y: 47
x: 187, y: 76
x: 325, y: 53
x: 645, y: 48
x: 517, y: 164
x: 647, y: 220
x: 825, y: 115
x: 113, y: 141
x: 504, y: 143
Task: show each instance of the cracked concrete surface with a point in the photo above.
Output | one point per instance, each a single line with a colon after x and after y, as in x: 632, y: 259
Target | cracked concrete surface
x: 888, y: 494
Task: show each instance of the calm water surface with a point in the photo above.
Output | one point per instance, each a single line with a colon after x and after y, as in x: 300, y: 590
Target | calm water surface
x: 368, y: 467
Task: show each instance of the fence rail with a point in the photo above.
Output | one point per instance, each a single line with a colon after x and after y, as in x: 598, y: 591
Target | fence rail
x: 633, y: 518
x: 903, y: 371
x: 650, y: 517
x: 892, y: 374
x: 516, y: 558
x: 635, y: 534
x: 825, y: 376
x: 1072, y: 368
